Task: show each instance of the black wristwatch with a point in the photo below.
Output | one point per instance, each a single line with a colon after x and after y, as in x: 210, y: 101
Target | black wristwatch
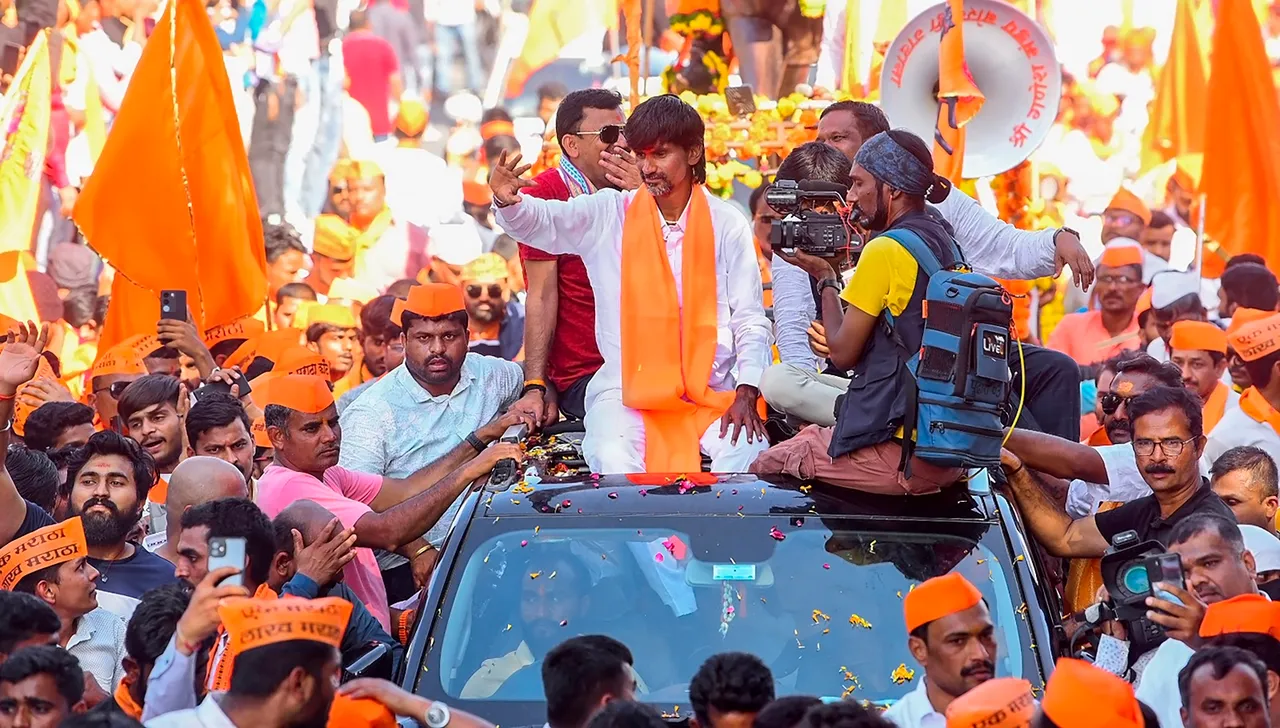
x: 1065, y: 230
x: 476, y: 443
x: 833, y: 283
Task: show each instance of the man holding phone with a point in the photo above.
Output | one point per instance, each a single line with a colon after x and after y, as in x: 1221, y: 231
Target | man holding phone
x: 1216, y: 567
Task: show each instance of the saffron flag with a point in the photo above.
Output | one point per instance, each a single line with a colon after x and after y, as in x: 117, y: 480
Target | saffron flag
x: 133, y: 310
x: 1241, y: 175
x: 16, y: 301
x: 1178, y: 113
x: 183, y: 215
x: 24, y: 122
x: 959, y: 99
x: 553, y: 24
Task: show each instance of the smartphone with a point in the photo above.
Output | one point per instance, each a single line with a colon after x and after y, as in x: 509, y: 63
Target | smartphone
x: 228, y: 551
x: 741, y: 100
x: 9, y: 58
x: 223, y: 388
x: 173, y: 305
x: 1167, y: 568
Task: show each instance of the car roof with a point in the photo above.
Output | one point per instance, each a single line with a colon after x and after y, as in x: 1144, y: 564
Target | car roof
x: 727, y: 495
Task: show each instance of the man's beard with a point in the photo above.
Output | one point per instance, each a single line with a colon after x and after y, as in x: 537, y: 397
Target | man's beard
x: 488, y: 312
x: 877, y: 222
x: 658, y: 186
x: 1117, y: 430
x: 423, y: 374
x: 106, y: 529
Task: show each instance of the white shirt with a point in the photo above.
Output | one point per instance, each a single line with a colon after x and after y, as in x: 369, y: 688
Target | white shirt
x: 992, y: 246
x: 830, y: 71
x: 591, y: 226
x: 421, y: 189
x: 1235, y: 429
x: 450, y: 12
x: 207, y: 715
x: 915, y: 711
x: 1158, y: 687
x: 396, y: 428
x: 111, y: 67
x: 1124, y: 484
x: 98, y: 644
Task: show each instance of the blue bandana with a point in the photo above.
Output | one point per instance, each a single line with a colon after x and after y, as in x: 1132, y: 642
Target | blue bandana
x: 890, y: 164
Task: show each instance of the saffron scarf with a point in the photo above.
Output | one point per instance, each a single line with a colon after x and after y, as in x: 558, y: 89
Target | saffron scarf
x: 218, y: 671
x: 667, y: 361
x: 1259, y: 409
x: 1215, y: 407
x: 126, y: 702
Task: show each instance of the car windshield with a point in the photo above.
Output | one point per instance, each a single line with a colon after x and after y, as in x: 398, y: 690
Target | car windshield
x: 818, y: 599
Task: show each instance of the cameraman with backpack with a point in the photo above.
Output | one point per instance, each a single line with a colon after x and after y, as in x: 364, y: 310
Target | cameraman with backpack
x: 881, y: 330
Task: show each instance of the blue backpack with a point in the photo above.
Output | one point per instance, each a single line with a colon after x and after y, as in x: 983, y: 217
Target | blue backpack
x: 961, y: 373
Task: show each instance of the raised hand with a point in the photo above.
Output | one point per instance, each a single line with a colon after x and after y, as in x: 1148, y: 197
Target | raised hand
x: 505, y: 179
x: 20, y: 356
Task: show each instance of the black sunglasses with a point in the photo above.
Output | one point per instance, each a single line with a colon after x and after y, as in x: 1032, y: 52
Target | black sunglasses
x: 1111, y: 401
x: 609, y: 133
x: 495, y: 290
x: 115, y: 389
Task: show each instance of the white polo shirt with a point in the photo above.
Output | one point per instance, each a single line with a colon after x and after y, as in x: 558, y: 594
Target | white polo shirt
x: 1235, y: 429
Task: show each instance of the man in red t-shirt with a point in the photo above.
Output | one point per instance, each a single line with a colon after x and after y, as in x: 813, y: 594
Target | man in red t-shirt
x: 560, y: 349
x: 373, y: 73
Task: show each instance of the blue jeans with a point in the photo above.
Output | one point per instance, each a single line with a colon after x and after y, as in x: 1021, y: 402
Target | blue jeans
x: 447, y: 37
x: 322, y: 153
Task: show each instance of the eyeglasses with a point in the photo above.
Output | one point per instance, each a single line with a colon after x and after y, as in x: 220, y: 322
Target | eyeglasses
x: 1171, y: 448
x: 609, y: 133
x: 495, y: 290
x: 115, y: 389
x: 1111, y: 401
x: 1117, y: 280
x: 1119, y: 218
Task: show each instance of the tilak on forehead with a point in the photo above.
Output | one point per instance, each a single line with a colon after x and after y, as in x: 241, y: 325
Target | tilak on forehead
x: 40, y: 549
x: 1124, y: 387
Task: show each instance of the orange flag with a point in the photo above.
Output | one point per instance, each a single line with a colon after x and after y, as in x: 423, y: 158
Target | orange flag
x: 959, y: 99
x: 181, y: 214
x: 133, y: 310
x: 1178, y: 114
x: 553, y: 24
x: 1241, y: 177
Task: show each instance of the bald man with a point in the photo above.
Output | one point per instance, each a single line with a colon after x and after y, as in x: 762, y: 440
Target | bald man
x: 196, y: 480
x: 311, y: 549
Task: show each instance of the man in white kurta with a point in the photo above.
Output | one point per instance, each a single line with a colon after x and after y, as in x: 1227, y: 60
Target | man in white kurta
x: 591, y: 226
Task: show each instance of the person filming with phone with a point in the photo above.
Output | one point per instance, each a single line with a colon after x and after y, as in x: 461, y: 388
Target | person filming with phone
x: 1167, y: 425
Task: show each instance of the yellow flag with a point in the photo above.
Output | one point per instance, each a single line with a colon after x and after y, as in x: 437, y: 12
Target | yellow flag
x: 26, y: 112
x: 95, y: 123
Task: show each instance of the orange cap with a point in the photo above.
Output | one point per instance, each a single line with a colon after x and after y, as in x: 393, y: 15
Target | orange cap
x: 242, y: 329
x: 488, y: 268
x: 431, y: 300
x: 301, y: 360
x: 1186, y: 171
x: 326, y: 313
x: 349, y: 712
x: 334, y: 238
x: 40, y: 549
x: 298, y: 392
x: 1257, y: 339
x: 1129, y: 202
x: 259, y: 431
x: 1244, y: 316
x: 252, y: 623
x: 268, y: 344
x: 412, y: 117
x: 937, y: 598
x: 126, y: 357
x: 1080, y: 695
x: 365, y: 169
x: 1119, y: 255
x: 343, y: 170
x: 1144, y: 303
x: 1244, y: 613
x: 1003, y: 702
x: 476, y: 193
x: 1200, y: 335
x: 499, y: 127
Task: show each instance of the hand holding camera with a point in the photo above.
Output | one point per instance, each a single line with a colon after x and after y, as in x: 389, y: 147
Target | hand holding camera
x: 1178, y: 611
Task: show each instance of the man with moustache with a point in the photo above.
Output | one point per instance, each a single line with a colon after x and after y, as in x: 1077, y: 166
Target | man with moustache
x: 684, y: 344
x: 107, y: 485
x: 496, y: 319
x: 1167, y: 431
x: 953, y: 638
x: 217, y: 426
x: 381, y: 344
x: 148, y: 408
x: 1092, y: 336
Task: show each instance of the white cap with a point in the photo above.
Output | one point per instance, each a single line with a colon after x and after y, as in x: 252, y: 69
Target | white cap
x: 1169, y: 286
x: 1264, y: 546
x: 464, y: 106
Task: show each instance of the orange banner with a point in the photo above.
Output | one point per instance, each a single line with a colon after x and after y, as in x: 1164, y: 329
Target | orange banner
x: 959, y: 99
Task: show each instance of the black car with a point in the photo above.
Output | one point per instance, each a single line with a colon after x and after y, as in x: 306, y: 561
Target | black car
x: 808, y: 577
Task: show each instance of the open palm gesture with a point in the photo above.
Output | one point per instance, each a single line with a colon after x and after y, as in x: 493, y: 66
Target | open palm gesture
x: 20, y: 356
x: 505, y: 179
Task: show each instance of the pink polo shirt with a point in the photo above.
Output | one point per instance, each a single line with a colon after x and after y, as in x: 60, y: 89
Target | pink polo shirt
x: 347, y: 495
x: 1083, y: 337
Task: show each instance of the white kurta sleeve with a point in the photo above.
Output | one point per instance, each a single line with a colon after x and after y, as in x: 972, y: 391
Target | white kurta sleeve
x: 831, y: 50
x: 752, y: 336
x: 559, y: 228
x: 793, y: 310
x: 994, y: 247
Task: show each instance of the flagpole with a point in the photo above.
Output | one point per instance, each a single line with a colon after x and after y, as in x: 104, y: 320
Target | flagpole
x: 1199, y: 257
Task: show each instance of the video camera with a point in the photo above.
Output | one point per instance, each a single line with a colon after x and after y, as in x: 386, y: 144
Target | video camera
x: 817, y: 233
x: 1129, y: 569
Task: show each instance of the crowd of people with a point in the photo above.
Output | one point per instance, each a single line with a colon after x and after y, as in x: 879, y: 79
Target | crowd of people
x: 209, y: 526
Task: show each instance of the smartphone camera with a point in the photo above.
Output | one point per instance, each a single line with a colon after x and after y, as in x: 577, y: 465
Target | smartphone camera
x: 217, y: 548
